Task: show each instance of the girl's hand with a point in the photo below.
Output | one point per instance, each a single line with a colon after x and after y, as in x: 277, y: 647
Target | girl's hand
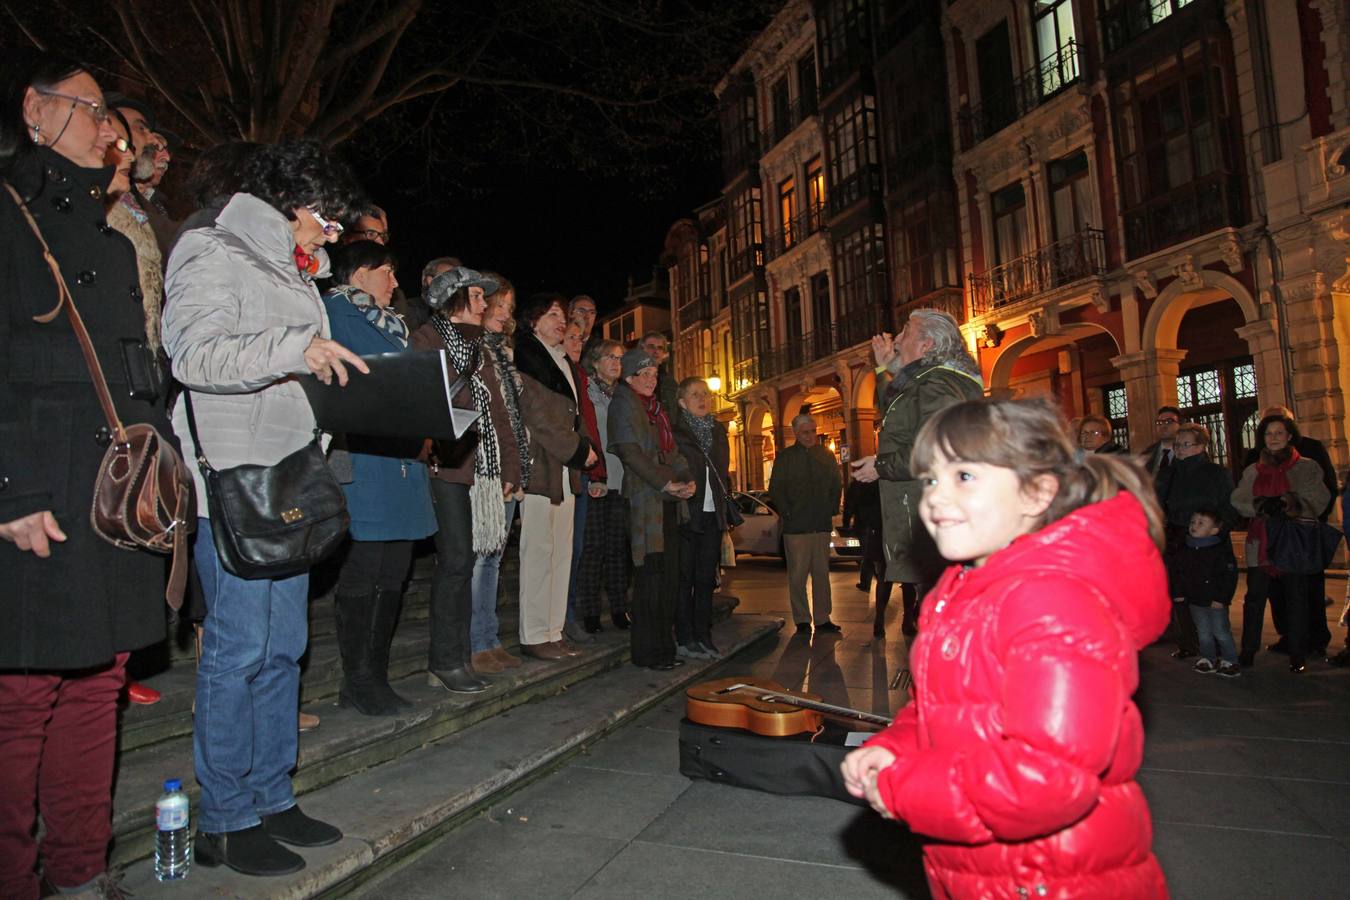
x: 860, y: 769
x: 597, y: 490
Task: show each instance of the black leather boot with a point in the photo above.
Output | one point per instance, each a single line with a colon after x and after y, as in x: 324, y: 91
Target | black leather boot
x: 882, y: 601
x: 909, y: 625
x: 249, y: 851
x: 383, y: 621
x: 353, y: 613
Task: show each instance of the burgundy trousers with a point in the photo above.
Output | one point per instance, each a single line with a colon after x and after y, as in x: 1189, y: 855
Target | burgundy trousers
x: 58, y: 739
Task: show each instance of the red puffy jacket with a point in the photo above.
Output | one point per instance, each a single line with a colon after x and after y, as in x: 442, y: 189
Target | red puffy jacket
x: 1017, y: 755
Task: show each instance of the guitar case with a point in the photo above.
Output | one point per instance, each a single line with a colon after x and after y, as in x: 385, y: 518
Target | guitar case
x: 795, y: 765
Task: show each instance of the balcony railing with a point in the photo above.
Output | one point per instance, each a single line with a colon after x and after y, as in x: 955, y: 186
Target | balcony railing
x: 1128, y: 19
x: 799, y: 228
x: 699, y: 310
x: 1003, y: 107
x: 782, y: 126
x: 745, y: 262
x: 865, y: 180
x: 1200, y: 207
x: 1078, y: 256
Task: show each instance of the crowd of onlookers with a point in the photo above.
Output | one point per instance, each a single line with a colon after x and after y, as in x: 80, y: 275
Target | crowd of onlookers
x: 204, y: 325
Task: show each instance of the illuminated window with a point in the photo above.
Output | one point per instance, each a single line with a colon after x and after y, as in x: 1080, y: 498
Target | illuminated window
x: 787, y: 211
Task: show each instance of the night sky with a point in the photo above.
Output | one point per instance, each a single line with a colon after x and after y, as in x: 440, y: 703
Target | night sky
x: 546, y: 229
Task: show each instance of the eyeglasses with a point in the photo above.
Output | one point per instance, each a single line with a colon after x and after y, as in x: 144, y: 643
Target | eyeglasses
x: 95, y: 107
x: 1094, y: 432
x: 374, y: 234
x: 123, y: 145
x: 329, y: 228
x: 1184, y: 444
x: 617, y: 357
x: 1167, y: 422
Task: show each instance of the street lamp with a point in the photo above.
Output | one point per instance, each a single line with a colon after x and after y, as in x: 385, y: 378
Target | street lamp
x: 714, y: 384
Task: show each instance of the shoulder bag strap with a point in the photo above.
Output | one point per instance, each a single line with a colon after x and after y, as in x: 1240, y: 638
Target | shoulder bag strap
x: 76, y: 324
x: 192, y: 430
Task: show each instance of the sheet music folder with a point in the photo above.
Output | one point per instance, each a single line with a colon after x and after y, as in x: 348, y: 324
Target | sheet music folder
x: 405, y: 395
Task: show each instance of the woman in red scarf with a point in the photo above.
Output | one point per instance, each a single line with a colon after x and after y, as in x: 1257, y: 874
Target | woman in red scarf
x: 655, y: 483
x: 1280, y: 484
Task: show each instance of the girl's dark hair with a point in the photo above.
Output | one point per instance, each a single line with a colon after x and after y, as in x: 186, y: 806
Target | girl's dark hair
x: 24, y: 69
x: 218, y: 174
x: 348, y: 259
x: 1294, y: 433
x: 538, y: 305
x: 302, y: 173
x: 1030, y: 437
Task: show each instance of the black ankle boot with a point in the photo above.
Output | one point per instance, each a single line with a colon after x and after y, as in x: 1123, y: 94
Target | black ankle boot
x: 591, y: 624
x: 291, y: 826
x: 249, y: 851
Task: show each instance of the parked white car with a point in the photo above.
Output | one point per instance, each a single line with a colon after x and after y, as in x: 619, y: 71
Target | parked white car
x: 761, y: 534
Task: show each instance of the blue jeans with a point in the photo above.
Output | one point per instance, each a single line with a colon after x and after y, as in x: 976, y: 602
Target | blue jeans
x: 1214, y: 633
x: 578, y: 542
x: 244, y: 737
x: 483, y: 624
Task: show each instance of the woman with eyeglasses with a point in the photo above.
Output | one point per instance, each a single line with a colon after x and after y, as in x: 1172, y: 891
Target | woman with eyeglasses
x: 1094, y: 435
x: 243, y: 318
x: 604, y: 558
x: 387, y: 489
x: 73, y: 605
x: 1192, y: 482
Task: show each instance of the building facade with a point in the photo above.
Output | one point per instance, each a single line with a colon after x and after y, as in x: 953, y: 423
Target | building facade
x: 1126, y: 203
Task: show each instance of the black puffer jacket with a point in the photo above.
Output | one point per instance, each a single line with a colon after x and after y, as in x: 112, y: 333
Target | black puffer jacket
x: 89, y: 600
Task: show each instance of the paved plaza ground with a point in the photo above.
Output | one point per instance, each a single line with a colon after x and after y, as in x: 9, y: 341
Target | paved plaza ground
x: 1248, y: 781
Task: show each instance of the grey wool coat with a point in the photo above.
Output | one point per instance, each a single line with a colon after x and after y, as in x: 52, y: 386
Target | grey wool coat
x: 646, y: 470
x: 237, y: 321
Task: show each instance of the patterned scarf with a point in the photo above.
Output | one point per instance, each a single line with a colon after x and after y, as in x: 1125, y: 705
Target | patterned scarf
x: 701, y: 427
x: 382, y: 317
x: 125, y: 218
x: 656, y: 414
x: 485, y: 494
x: 498, y: 348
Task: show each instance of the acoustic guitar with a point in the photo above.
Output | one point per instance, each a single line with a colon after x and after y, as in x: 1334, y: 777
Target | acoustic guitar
x: 766, y: 708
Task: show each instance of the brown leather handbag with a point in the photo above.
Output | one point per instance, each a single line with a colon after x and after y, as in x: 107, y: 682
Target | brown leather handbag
x: 143, y: 496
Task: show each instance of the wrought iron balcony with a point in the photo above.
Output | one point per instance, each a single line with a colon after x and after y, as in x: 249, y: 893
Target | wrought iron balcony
x: 699, y: 310
x: 1128, y: 19
x: 782, y: 126
x: 1038, y: 84
x: 798, y: 229
x: 1193, y: 209
x: 1078, y: 256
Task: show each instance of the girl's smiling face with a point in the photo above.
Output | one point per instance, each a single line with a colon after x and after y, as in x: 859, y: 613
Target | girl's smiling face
x: 973, y: 510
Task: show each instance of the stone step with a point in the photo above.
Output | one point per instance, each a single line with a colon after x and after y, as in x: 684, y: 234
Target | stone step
x: 156, y: 741
x: 442, y: 774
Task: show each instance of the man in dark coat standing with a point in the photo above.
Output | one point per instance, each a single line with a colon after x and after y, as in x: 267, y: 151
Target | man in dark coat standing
x: 805, y: 488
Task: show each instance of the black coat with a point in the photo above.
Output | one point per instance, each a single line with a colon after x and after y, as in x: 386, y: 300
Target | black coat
x: 1196, y: 483
x: 1203, y: 575
x: 862, y: 506
x: 89, y: 600
x: 719, y: 454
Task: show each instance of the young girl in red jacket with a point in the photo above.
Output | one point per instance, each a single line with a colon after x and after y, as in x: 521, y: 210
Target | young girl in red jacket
x: 1016, y: 758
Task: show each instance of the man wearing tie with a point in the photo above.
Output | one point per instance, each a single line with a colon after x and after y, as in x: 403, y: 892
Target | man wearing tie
x: 1158, y: 455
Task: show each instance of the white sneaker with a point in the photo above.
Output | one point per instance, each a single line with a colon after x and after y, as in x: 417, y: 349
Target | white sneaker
x: 1204, y: 666
x: 1229, y: 670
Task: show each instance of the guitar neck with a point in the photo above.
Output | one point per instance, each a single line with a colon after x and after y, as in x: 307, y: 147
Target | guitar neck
x: 829, y: 708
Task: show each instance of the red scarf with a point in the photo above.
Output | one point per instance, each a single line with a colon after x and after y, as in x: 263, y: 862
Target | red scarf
x: 1272, y: 480
x: 596, y: 472
x: 304, y: 262
x: 656, y: 414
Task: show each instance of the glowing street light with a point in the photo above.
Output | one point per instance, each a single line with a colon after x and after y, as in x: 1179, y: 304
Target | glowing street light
x: 714, y: 384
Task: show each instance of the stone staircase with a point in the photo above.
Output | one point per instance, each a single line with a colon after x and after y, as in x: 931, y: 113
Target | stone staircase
x: 394, y: 783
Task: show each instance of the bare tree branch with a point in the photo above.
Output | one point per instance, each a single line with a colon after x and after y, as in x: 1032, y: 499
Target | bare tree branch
x: 396, y: 18
x: 137, y: 39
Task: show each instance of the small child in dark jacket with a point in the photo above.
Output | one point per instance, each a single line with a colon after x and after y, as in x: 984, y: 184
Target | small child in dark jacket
x: 1203, y: 574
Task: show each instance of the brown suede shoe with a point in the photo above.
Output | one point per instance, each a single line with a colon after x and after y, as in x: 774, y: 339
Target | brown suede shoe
x: 543, y: 651
x: 308, y: 721
x: 506, y: 659
x: 567, y: 649
x: 486, y: 661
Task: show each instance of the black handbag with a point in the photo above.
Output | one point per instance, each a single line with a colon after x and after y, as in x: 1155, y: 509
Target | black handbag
x: 1300, y: 546
x: 273, y: 521
x: 732, y: 512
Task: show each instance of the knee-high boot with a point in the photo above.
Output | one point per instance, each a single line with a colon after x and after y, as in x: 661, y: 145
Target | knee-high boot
x: 383, y: 621
x: 909, y: 595
x: 354, y: 614
x: 883, y: 598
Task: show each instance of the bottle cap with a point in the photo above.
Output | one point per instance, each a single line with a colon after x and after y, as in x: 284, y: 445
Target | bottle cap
x: 173, y: 784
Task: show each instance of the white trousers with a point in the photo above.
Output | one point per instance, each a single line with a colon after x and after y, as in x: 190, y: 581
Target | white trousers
x: 545, y: 566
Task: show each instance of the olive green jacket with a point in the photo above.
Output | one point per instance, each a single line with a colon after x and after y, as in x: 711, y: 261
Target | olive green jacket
x: 805, y: 488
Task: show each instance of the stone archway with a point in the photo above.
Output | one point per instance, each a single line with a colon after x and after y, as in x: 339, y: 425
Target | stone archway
x: 1000, y: 375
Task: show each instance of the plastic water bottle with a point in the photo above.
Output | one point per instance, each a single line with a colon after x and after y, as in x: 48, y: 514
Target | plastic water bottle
x: 173, y: 850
